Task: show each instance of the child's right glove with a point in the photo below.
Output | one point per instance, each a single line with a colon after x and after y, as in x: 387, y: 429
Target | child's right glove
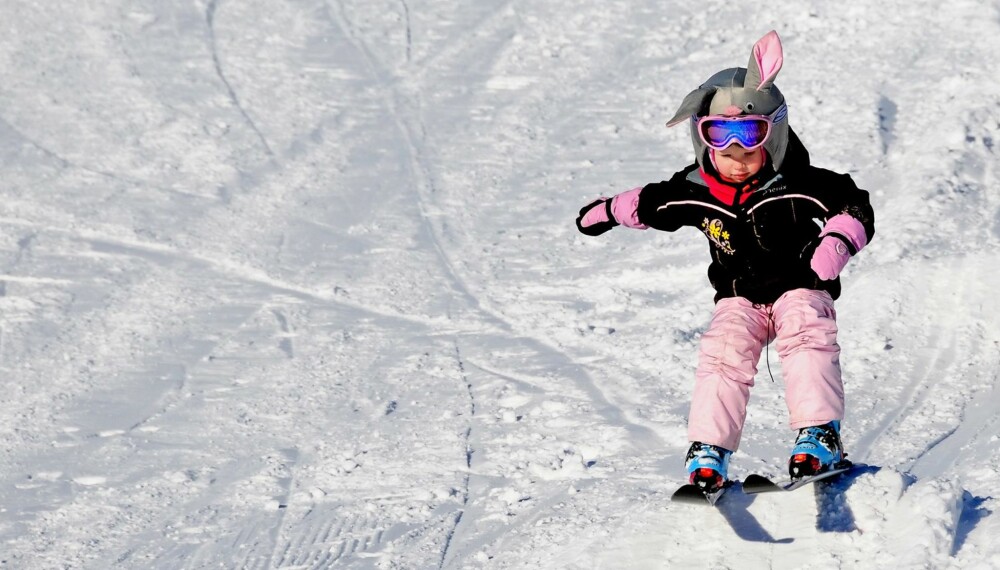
x: 841, y: 238
x: 603, y: 214
x: 596, y: 217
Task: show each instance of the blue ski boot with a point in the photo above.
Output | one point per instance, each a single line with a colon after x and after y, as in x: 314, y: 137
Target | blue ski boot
x: 707, y: 466
x: 817, y: 449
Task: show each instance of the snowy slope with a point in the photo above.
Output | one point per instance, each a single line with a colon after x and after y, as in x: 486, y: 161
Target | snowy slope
x: 296, y: 284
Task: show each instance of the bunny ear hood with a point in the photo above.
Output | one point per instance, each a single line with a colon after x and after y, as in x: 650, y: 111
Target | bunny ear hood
x: 766, y: 59
x: 693, y: 104
x: 741, y: 91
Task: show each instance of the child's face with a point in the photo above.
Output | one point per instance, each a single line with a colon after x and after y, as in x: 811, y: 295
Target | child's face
x: 736, y: 163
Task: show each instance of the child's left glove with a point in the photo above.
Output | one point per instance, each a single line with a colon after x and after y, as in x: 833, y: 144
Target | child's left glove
x: 842, y: 237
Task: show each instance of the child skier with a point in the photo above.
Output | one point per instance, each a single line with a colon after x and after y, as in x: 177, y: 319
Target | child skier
x: 779, y: 232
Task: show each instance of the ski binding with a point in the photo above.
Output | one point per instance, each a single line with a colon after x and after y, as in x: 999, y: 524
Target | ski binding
x: 759, y: 484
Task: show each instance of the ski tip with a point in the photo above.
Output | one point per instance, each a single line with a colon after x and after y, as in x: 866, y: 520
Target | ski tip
x: 759, y: 484
x: 693, y: 494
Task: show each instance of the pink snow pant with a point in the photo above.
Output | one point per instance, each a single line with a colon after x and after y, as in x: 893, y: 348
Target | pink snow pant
x: 805, y: 327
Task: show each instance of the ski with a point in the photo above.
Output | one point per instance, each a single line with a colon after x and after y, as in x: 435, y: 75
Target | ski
x: 759, y: 484
x: 693, y: 494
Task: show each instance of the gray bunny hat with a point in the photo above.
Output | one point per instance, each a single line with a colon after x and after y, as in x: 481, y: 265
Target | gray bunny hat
x: 741, y: 91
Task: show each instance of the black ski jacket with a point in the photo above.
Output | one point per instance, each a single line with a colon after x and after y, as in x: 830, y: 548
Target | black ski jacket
x: 761, y: 233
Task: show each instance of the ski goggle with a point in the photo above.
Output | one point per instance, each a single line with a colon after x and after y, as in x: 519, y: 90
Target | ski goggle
x: 748, y: 131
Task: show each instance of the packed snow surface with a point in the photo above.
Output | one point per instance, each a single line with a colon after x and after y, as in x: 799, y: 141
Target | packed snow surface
x: 296, y: 285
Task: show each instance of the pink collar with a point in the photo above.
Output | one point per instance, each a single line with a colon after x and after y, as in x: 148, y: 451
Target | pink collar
x: 726, y: 192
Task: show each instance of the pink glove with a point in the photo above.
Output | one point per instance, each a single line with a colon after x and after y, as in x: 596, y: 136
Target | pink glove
x: 842, y: 237
x: 625, y: 209
x: 596, y: 218
x: 830, y: 258
x: 603, y: 214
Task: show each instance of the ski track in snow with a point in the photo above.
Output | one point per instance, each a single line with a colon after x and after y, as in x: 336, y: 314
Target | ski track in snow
x: 210, y: 11
x: 296, y: 286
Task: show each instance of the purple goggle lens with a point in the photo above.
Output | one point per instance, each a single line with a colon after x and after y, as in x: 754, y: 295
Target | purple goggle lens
x: 749, y: 131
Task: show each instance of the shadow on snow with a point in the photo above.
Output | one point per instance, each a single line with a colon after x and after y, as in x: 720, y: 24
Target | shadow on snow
x: 735, y: 509
x: 973, y: 511
x: 833, y: 514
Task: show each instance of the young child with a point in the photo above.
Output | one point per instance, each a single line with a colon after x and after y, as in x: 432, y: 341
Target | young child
x: 779, y: 232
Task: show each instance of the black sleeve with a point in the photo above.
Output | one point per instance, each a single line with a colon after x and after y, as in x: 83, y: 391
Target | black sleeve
x: 844, y: 197
x: 656, y: 195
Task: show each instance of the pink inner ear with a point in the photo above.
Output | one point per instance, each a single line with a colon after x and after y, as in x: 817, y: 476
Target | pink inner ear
x: 767, y: 52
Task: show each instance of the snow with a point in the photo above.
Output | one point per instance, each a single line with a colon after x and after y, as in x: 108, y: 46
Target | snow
x: 296, y: 284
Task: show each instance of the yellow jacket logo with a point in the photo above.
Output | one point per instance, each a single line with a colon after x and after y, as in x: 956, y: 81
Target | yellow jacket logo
x: 717, y: 235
